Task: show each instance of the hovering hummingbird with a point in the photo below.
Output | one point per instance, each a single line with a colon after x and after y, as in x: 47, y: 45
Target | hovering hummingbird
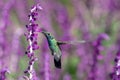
x: 54, y: 46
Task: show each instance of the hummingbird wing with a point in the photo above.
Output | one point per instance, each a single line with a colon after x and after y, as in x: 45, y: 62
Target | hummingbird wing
x: 70, y: 42
x: 61, y: 43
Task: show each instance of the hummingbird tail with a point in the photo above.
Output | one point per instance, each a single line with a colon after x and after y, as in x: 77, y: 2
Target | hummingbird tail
x: 57, y: 63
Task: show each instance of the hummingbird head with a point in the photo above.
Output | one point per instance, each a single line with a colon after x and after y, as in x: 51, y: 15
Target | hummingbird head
x: 47, y: 35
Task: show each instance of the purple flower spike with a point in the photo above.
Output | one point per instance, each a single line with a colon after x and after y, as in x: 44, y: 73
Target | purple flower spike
x: 97, y: 47
x: 31, y: 37
x: 116, y: 74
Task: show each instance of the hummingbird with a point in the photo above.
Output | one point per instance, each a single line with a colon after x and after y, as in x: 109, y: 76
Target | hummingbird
x: 54, y: 46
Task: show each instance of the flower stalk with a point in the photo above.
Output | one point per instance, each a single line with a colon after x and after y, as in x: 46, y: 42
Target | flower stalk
x: 31, y: 36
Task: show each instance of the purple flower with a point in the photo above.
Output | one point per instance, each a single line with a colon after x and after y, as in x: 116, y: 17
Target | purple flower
x: 3, y: 74
x: 4, y: 47
x: 31, y: 36
x: 97, y: 47
x: 116, y: 74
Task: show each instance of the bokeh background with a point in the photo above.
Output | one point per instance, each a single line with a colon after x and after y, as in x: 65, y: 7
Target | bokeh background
x: 95, y: 21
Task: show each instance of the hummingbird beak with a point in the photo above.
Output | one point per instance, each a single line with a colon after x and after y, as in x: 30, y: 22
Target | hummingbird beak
x: 43, y: 32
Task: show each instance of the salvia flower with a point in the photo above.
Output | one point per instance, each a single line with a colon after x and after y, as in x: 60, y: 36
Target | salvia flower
x: 3, y: 74
x: 31, y: 36
x: 116, y: 74
x: 97, y: 47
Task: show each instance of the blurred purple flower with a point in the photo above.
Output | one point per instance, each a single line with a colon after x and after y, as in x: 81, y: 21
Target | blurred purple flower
x: 21, y: 7
x: 114, y: 5
x: 63, y: 20
x: 97, y: 47
x: 46, y: 67
x: 67, y: 77
x: 3, y: 73
x: 45, y: 16
x: 4, y: 47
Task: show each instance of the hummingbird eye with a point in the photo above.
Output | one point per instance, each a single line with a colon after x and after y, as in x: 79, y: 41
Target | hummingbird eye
x: 48, y: 33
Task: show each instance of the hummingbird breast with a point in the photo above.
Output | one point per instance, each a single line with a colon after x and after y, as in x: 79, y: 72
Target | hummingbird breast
x: 54, y: 47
